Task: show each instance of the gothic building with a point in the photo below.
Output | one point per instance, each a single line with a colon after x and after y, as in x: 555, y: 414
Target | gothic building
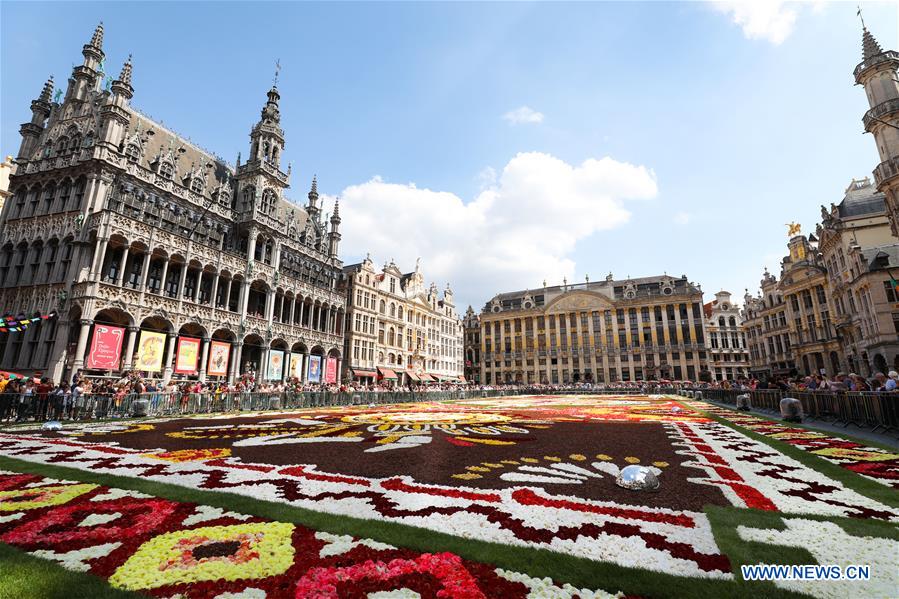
x: 399, y: 331
x: 126, y: 229
x: 607, y: 331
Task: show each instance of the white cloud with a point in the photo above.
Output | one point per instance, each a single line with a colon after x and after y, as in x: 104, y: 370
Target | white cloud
x: 487, y: 177
x: 771, y: 20
x: 515, y: 233
x: 523, y: 114
x: 682, y: 218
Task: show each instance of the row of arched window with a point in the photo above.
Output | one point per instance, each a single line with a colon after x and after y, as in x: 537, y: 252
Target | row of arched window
x: 37, y: 263
x: 47, y: 198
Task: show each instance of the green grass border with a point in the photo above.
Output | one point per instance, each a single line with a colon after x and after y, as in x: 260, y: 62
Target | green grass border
x: 806, y: 426
x: 541, y: 563
x: 852, y: 480
x: 23, y: 576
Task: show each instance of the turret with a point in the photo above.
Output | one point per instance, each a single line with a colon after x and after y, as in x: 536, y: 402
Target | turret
x: 115, y: 116
x: 878, y: 74
x: 312, y: 206
x: 86, y: 77
x: 40, y: 112
x: 334, y: 235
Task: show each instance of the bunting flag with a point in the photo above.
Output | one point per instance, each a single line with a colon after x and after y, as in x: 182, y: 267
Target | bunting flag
x: 15, y: 324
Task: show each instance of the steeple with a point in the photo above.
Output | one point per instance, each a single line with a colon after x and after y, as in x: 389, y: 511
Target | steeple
x: 870, y: 47
x: 122, y: 85
x: 97, y: 39
x: 334, y: 235
x: 312, y: 207
x: 40, y: 112
x: 47, y: 91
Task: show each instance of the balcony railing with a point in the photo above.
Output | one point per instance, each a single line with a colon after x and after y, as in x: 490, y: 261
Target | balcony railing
x: 880, y: 111
x: 887, y: 56
x: 886, y: 170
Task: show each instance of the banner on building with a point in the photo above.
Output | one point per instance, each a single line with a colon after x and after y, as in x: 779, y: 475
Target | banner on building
x: 188, y: 355
x: 331, y: 370
x: 275, y: 365
x: 219, y: 351
x: 295, y: 368
x: 106, y: 347
x: 149, y: 351
x: 315, y: 369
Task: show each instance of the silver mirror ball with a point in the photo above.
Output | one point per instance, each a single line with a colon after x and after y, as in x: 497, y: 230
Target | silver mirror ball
x: 637, y: 478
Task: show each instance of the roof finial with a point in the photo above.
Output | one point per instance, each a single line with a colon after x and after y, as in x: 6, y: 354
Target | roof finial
x: 277, y: 72
x: 47, y: 91
x: 125, y: 75
x: 860, y: 16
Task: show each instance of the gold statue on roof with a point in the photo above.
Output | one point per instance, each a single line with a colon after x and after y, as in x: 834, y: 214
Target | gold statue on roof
x: 794, y: 229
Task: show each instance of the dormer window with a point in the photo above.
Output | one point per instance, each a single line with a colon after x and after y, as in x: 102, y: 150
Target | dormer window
x: 166, y: 170
x: 132, y: 153
x: 197, y: 185
x: 61, y: 145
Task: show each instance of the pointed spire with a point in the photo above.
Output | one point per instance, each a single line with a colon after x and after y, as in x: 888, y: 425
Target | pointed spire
x: 335, y: 218
x: 47, y: 91
x: 97, y: 39
x: 870, y: 47
x: 125, y: 75
x: 314, y: 190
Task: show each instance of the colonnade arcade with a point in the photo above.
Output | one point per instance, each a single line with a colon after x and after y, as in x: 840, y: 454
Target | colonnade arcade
x: 133, y: 265
x: 248, y: 351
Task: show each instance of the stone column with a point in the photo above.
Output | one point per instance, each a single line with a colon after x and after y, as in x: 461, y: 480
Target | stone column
x: 82, y: 344
x: 251, y: 246
x: 269, y: 306
x: 214, y: 289
x: 304, y: 370
x: 244, y: 298
x: 228, y: 292
x: 99, y: 254
x: 197, y: 286
x: 234, y: 367
x: 129, y: 347
x: 169, y: 359
x: 122, y: 265
x: 204, y: 357
x: 145, y: 270
x: 293, y: 305
x: 165, y: 273
x: 302, y: 310
x: 179, y: 293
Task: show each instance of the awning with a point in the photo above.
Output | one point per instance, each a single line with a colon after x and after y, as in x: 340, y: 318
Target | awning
x: 426, y: 378
x: 412, y: 375
x: 387, y: 374
x: 462, y: 379
x: 361, y: 373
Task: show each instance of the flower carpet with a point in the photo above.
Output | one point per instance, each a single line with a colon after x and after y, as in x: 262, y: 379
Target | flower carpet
x: 499, y: 497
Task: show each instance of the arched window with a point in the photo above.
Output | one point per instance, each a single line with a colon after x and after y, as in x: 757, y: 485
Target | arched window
x: 132, y: 153
x: 399, y: 313
x: 391, y: 336
x: 733, y: 321
x: 49, y: 193
x: 392, y: 311
x: 383, y: 307
x: 75, y: 144
x: 166, y: 170
x: 720, y: 321
x: 196, y: 185
x: 268, y: 202
x: 249, y: 193
x: 61, y: 145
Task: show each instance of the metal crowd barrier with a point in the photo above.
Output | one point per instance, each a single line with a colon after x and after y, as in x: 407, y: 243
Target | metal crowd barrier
x: 864, y: 409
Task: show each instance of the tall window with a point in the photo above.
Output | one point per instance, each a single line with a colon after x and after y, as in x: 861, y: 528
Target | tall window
x: 166, y: 170
x: 196, y: 185
x: 132, y: 153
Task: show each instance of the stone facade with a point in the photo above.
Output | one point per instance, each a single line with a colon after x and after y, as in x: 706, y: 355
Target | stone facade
x: 726, y: 339
x: 397, y: 329
x: 471, y: 326
x: 859, y: 249
x: 116, y: 220
x: 767, y: 336
x: 609, y: 331
x: 7, y: 168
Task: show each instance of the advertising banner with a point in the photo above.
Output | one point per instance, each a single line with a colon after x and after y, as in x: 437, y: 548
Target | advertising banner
x: 275, y: 364
x: 315, y: 369
x: 187, y: 356
x: 150, y: 348
x: 106, y: 347
x: 331, y: 370
x: 219, y: 351
x: 295, y: 369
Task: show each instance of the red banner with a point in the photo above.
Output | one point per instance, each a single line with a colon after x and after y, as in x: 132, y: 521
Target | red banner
x: 187, y: 356
x: 106, y: 348
x: 331, y: 370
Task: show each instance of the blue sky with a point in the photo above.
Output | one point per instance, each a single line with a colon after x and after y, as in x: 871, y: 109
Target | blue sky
x: 650, y: 137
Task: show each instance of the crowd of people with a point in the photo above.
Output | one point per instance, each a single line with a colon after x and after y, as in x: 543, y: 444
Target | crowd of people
x: 41, y: 399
